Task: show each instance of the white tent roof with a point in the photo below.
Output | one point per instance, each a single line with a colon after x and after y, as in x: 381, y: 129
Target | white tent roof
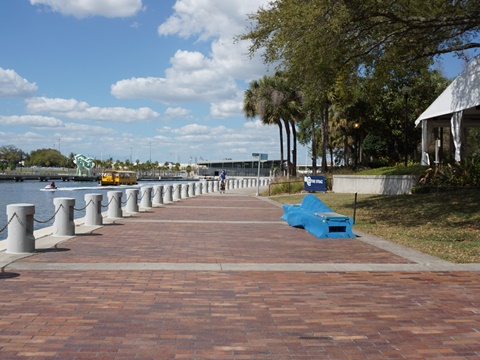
x: 463, y: 93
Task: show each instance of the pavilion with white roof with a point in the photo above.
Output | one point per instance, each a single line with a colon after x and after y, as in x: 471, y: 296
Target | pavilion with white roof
x: 458, y: 107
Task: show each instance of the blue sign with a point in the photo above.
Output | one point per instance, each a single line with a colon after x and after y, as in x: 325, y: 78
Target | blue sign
x: 261, y: 156
x: 315, y: 183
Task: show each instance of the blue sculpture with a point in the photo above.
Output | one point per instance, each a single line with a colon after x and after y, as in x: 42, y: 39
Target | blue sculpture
x: 318, y: 219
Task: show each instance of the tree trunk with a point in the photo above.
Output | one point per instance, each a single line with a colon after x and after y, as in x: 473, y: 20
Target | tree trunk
x: 294, y: 153
x: 325, y: 139
x: 279, y: 123
x: 314, y: 146
x: 289, y: 163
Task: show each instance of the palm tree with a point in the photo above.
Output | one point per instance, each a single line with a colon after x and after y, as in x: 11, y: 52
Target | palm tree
x: 257, y: 101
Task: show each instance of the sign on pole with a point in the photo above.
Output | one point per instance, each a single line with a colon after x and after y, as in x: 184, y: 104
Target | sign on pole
x: 260, y: 157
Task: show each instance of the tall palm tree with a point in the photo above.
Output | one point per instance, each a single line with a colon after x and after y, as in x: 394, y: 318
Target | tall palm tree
x: 275, y: 100
x: 257, y: 101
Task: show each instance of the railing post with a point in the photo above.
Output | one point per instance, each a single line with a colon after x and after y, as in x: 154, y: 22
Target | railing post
x: 20, y: 229
x: 115, y: 204
x: 168, y: 194
x: 184, y: 194
x: 199, y: 189
x: 157, y: 194
x: 64, y: 224
x: 93, y: 212
x: 146, y: 201
x: 191, y: 189
x: 132, y: 200
x: 176, y: 192
x: 216, y: 187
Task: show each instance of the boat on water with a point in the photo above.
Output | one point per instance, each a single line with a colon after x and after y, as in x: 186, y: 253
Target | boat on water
x: 118, y: 177
x: 50, y: 187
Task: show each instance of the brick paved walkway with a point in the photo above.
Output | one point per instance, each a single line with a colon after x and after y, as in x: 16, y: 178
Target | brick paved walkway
x: 222, y: 277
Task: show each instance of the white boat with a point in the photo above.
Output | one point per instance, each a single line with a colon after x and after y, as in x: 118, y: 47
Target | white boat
x: 50, y: 187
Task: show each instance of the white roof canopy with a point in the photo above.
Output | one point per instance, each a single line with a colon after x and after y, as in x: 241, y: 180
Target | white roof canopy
x: 463, y: 94
x: 457, y: 107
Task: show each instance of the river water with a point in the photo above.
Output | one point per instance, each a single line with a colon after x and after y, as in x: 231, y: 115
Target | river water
x: 33, y: 192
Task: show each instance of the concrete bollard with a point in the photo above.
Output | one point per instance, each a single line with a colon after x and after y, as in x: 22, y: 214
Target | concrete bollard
x: 114, y: 204
x: 168, y: 196
x: 199, y: 188
x: 132, y: 200
x: 146, y: 201
x: 184, y: 192
x: 176, y: 192
x: 64, y: 224
x: 93, y: 212
x: 191, y: 189
x: 210, y: 186
x: 20, y: 229
x: 216, y: 186
x: 157, y: 194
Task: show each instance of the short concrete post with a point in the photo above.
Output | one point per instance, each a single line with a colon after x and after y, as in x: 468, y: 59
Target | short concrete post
x: 132, y: 200
x: 199, y: 188
x: 114, y: 204
x: 93, y: 212
x: 168, y: 196
x: 176, y: 192
x: 191, y: 189
x: 184, y: 193
x: 64, y: 224
x: 210, y: 186
x: 146, y: 201
x: 157, y: 194
x: 216, y: 186
x: 20, y: 229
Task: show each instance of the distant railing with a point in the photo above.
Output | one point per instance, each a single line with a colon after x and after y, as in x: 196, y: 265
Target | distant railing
x: 20, y: 217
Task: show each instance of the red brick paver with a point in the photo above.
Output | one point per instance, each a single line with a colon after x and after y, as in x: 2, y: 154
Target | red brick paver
x: 144, y: 314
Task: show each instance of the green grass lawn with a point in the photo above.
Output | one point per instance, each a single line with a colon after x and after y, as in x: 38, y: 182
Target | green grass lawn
x: 445, y: 225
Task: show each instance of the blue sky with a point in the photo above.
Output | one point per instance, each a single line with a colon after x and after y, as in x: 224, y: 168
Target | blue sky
x: 132, y: 79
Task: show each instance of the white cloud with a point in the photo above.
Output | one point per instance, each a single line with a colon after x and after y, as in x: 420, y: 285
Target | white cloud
x: 35, y: 121
x: 196, y: 77
x: 54, y: 105
x: 13, y: 85
x: 90, y: 130
x: 80, y: 110
x: 192, y: 77
x: 177, y: 112
x: 86, y: 8
x: 209, y: 18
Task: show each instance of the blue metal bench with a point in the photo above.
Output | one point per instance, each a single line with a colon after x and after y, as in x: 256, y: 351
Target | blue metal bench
x: 318, y: 219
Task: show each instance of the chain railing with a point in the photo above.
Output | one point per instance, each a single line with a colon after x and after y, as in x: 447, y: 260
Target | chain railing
x: 50, y: 219
x: 173, y: 189
x: 8, y: 222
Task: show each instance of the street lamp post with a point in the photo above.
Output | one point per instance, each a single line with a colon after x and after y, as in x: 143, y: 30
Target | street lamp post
x: 356, y: 126
x: 406, y: 93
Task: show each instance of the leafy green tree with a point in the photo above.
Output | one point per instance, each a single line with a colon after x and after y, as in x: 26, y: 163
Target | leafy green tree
x: 46, y: 157
x: 328, y: 47
x: 11, y: 156
x: 257, y: 101
x: 275, y: 100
